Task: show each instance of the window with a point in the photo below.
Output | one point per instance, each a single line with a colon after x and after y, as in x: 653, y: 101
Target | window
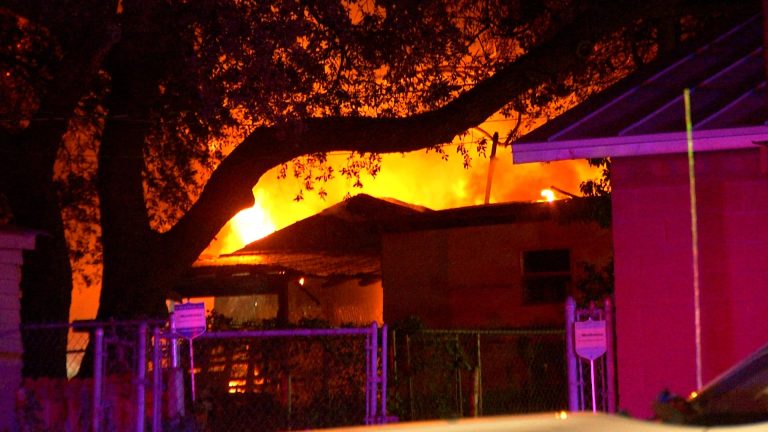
x: 546, y: 275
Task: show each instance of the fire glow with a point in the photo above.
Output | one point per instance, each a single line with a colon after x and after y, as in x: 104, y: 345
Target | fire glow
x: 548, y: 195
x: 419, y: 178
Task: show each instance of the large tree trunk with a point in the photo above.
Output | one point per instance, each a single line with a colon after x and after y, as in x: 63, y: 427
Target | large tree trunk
x: 132, y: 256
x: 130, y: 247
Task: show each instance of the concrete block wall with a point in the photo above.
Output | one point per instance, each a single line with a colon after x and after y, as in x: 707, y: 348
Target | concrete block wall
x: 12, y: 244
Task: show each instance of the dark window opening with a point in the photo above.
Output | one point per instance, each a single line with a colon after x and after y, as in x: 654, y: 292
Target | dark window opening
x: 546, y: 276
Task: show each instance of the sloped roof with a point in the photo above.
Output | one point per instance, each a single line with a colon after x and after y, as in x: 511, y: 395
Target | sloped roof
x: 568, y: 210
x: 351, y: 226
x: 342, y: 240
x: 645, y: 112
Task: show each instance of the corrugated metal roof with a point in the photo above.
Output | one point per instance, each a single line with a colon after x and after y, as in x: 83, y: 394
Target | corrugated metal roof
x: 726, y: 79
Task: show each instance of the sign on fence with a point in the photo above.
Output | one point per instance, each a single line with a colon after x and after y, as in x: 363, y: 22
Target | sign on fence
x: 188, y: 319
x: 591, y: 342
x: 590, y: 338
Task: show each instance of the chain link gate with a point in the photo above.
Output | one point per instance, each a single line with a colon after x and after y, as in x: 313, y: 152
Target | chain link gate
x: 288, y: 379
x: 109, y: 383
x: 129, y: 376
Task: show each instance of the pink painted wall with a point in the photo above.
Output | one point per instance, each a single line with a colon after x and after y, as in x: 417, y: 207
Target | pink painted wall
x: 655, y: 328
x: 471, y: 277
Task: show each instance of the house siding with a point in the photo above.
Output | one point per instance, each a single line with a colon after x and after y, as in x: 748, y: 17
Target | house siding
x: 655, y: 318
x: 471, y: 277
x: 12, y: 243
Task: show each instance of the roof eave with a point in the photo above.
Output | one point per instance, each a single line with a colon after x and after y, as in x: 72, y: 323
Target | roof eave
x: 640, y: 145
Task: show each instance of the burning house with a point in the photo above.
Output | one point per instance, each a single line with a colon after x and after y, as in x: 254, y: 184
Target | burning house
x: 369, y: 259
x: 325, y: 267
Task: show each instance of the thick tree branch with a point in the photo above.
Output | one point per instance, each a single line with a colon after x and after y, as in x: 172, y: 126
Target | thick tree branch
x: 229, y: 189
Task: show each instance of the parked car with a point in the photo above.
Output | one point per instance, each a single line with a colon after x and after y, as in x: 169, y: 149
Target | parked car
x: 736, y: 401
x: 738, y: 396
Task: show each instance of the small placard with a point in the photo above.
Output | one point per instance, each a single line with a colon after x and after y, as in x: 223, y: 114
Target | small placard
x: 590, y: 339
x: 189, y: 319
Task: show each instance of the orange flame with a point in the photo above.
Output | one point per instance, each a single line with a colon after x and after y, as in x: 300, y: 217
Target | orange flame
x: 548, y: 195
x: 417, y: 178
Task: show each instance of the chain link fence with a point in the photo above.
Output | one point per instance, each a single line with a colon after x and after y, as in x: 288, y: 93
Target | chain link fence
x: 459, y: 373
x: 133, y: 377
x: 290, y: 379
x: 103, y: 381
x: 266, y: 381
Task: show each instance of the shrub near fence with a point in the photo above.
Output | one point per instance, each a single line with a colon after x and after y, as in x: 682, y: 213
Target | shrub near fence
x: 458, y: 373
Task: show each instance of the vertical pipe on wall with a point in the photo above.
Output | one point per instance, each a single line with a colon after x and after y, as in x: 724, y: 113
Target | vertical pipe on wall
x: 694, y: 237
x: 570, y: 355
x: 610, y: 356
x: 410, y: 375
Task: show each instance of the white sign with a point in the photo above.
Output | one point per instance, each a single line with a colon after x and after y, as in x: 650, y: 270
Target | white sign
x: 189, y: 319
x: 591, y: 341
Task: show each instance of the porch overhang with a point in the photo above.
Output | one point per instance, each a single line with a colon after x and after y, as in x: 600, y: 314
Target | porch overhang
x: 639, y: 145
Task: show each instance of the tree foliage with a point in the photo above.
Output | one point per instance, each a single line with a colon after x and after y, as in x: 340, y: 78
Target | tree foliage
x: 137, y: 128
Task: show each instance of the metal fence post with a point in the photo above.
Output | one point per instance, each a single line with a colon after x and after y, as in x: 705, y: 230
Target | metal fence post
x: 141, y: 376
x: 157, y: 380
x: 383, y: 380
x: 372, y: 371
x: 290, y: 399
x: 192, y: 370
x: 98, y: 361
x: 570, y: 355
x: 175, y: 379
x: 367, y: 377
x: 478, y: 382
